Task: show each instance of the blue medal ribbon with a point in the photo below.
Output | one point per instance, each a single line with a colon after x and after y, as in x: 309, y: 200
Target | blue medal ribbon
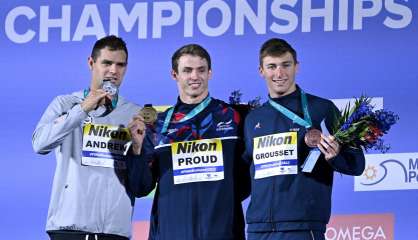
x: 196, y: 110
x: 314, y: 153
x: 307, y: 122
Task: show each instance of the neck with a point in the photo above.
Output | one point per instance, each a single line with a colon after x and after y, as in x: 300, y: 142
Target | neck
x: 94, y: 85
x: 193, y: 99
x: 282, y: 94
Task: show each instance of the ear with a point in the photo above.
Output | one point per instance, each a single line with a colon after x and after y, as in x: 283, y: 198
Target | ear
x: 261, y: 71
x: 297, y: 67
x: 173, y: 74
x: 209, y: 74
x: 90, y: 62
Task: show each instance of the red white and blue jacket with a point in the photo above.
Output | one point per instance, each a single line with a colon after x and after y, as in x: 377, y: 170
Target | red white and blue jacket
x: 202, y: 210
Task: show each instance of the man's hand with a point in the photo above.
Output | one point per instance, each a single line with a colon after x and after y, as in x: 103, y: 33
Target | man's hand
x: 137, y: 130
x: 94, y: 99
x: 329, y: 146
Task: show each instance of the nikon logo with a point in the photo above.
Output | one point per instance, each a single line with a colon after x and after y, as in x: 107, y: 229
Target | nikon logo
x: 104, y: 131
x: 188, y: 147
x: 269, y: 141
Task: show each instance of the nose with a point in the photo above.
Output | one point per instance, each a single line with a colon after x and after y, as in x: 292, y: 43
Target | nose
x: 279, y: 72
x: 194, y: 75
x: 112, y: 69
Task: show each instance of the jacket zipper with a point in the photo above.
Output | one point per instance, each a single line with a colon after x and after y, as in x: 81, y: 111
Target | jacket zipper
x: 272, y: 205
x: 313, y: 237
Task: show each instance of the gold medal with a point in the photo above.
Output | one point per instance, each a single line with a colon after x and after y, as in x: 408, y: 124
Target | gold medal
x: 149, y: 114
x: 312, y: 137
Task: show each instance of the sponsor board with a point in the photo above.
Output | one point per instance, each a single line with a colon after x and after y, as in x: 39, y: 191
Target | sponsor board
x: 360, y: 227
x: 396, y: 171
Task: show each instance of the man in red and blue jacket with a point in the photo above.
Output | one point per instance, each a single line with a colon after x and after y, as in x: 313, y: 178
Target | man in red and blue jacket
x: 194, y: 154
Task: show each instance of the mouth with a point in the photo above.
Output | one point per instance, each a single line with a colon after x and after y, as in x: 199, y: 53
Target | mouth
x: 194, y: 84
x: 279, y: 81
x: 112, y: 79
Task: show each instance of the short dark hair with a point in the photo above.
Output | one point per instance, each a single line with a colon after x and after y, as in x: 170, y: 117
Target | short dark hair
x: 189, y: 49
x: 112, y: 42
x: 276, y: 47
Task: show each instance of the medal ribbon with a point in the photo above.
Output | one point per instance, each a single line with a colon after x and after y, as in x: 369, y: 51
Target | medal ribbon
x: 196, y: 110
x: 307, y: 122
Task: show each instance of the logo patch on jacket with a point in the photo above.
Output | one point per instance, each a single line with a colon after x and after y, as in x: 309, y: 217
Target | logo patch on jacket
x: 224, y: 126
x: 172, y: 130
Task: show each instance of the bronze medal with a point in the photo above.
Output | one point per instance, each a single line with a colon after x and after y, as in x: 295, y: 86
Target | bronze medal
x: 312, y: 137
x: 149, y: 114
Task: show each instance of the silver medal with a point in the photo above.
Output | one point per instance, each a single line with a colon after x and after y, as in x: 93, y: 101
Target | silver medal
x: 109, y: 87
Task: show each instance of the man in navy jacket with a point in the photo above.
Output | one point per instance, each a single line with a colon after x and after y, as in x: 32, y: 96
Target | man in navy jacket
x: 194, y: 154
x: 292, y: 163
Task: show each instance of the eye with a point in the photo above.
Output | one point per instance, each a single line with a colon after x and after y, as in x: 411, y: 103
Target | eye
x: 271, y: 67
x: 106, y: 63
x: 286, y: 65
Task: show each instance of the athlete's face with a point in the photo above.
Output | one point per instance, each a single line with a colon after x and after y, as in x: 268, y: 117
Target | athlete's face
x: 110, y: 65
x: 279, y: 73
x: 192, y: 78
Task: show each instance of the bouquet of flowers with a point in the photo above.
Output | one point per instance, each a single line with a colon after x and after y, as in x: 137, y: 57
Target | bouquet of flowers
x: 242, y: 108
x: 360, y: 126
x: 235, y: 99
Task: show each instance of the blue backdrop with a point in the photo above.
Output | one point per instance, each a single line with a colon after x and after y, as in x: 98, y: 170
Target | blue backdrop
x: 346, y: 48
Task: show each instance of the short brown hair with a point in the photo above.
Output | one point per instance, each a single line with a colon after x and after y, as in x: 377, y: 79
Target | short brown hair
x: 276, y: 47
x: 189, y: 49
x: 112, y: 42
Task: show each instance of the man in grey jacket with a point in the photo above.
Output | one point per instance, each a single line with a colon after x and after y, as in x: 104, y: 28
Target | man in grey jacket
x: 88, y: 131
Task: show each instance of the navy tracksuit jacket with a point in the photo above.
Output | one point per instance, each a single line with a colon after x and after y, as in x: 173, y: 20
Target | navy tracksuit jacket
x: 299, y: 201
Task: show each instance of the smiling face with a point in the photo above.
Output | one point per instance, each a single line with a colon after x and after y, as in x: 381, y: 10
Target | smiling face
x: 192, y: 76
x: 279, y: 73
x: 109, y: 64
